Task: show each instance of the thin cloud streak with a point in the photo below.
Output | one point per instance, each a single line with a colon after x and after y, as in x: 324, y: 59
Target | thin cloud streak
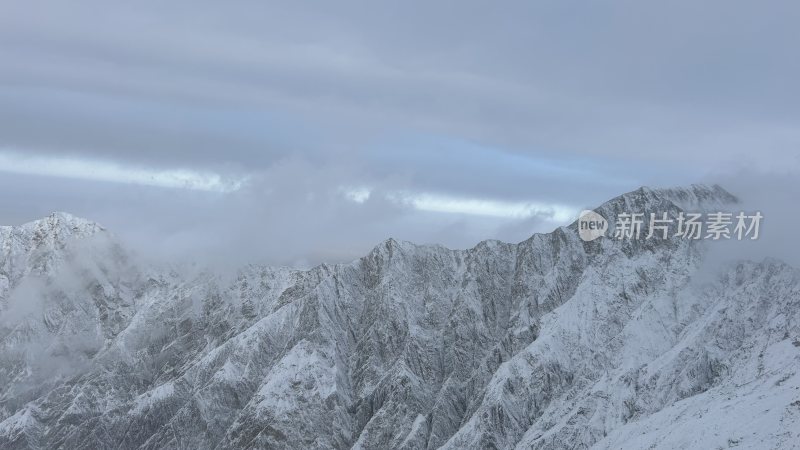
x: 560, y: 214
x: 93, y: 170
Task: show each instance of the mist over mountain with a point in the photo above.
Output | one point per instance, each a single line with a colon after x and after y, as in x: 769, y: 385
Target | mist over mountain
x: 549, y: 343
x: 399, y: 225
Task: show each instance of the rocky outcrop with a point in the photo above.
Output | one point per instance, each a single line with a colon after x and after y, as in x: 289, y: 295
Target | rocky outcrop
x: 550, y: 343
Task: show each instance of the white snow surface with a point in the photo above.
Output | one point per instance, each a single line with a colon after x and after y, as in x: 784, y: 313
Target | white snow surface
x: 551, y: 343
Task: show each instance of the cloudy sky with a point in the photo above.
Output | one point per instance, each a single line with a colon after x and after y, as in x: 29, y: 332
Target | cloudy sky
x: 294, y: 133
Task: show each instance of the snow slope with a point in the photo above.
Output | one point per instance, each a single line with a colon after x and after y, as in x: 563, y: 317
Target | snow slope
x: 549, y: 343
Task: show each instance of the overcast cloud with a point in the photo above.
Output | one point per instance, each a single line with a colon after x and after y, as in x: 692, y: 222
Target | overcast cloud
x: 295, y: 133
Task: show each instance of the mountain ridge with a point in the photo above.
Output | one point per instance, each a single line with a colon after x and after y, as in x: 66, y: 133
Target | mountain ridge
x: 497, y: 346
x: 698, y: 195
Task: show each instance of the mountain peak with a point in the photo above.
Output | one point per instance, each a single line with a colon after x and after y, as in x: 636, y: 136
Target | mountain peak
x: 67, y: 221
x: 695, y: 197
x: 698, y: 196
x: 54, y: 229
x: 60, y: 219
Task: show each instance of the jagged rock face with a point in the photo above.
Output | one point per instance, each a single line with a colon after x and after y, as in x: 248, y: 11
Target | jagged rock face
x: 550, y: 343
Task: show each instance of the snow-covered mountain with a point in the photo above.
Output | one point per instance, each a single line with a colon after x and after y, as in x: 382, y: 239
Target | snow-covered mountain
x: 549, y: 343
